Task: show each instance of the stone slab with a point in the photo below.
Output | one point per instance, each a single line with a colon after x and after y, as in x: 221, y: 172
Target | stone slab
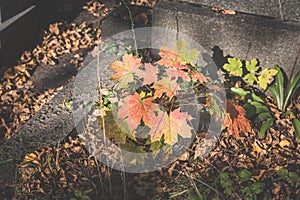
x: 280, y: 9
x: 243, y: 36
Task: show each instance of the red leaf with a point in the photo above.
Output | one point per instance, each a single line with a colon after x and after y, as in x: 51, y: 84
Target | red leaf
x: 168, y: 57
x: 235, y: 119
x: 137, y: 109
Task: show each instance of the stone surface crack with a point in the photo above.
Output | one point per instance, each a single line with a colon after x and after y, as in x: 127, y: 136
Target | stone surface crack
x: 280, y: 10
x: 177, y: 27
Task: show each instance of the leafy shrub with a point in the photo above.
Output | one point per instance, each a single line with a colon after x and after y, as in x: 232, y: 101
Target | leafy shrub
x: 260, y: 81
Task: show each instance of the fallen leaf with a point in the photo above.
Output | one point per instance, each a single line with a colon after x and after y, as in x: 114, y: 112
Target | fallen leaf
x: 223, y: 11
x: 29, y: 157
x: 284, y: 143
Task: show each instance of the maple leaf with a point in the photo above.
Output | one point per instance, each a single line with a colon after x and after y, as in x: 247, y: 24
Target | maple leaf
x: 137, y: 108
x: 197, y: 76
x: 266, y: 77
x: 252, y: 65
x: 168, y: 57
x: 166, y: 85
x: 234, y: 67
x: 250, y: 78
x: 235, y: 119
x: 175, y: 73
x: 187, y: 56
x: 149, y: 75
x: 170, y: 126
x: 125, y: 69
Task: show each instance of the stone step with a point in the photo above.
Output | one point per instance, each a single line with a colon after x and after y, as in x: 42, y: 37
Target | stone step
x: 242, y: 35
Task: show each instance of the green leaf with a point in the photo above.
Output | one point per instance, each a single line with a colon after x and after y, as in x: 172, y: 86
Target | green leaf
x: 264, y: 116
x: 246, y: 94
x: 254, y: 108
x: 244, y: 175
x: 226, y: 182
x: 234, y: 67
x: 282, y: 173
x: 250, y: 110
x: 258, y: 187
x: 296, y: 124
x: 250, y: 78
x: 292, y: 87
x: 78, y: 193
x: 239, y: 91
x: 277, y: 90
x: 265, y: 126
x: 252, y: 65
x: 155, y: 146
x: 294, y: 177
x: 193, y: 196
x: 85, y: 197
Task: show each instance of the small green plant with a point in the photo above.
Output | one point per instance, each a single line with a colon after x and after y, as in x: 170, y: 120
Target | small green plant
x: 292, y: 177
x: 248, y: 189
x: 282, y: 90
x: 81, y: 195
x: 249, y: 74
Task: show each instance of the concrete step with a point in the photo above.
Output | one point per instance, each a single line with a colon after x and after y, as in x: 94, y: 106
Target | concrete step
x: 244, y: 36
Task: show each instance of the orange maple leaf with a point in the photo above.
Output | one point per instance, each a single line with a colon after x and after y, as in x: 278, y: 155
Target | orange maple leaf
x: 170, y: 126
x: 127, y: 66
x: 235, y: 119
x: 170, y: 58
x: 136, y: 109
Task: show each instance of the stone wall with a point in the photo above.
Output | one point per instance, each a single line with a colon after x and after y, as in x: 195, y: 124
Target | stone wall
x: 244, y: 35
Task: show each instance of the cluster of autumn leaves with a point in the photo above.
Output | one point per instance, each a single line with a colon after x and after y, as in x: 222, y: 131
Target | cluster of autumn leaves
x: 148, y: 83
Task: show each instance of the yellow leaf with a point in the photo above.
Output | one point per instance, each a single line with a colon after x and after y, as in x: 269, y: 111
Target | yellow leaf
x: 266, y: 77
x: 67, y: 145
x: 29, y: 157
x: 284, y: 143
